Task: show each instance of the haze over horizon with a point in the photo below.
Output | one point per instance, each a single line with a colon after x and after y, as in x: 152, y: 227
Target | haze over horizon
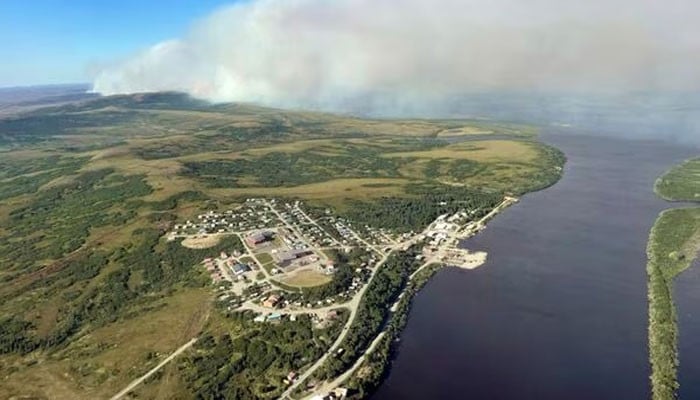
x: 313, y: 53
x: 543, y: 62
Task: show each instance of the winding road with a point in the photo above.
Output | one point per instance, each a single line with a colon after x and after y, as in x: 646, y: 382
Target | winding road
x: 352, y: 306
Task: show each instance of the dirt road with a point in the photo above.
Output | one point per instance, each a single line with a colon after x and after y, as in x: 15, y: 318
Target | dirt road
x: 140, y: 380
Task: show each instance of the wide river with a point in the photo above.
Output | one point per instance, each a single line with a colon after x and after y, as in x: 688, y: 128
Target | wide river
x: 559, y: 310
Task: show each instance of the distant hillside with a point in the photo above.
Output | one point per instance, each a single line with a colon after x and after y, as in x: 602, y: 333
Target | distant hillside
x: 15, y: 100
x: 104, y: 120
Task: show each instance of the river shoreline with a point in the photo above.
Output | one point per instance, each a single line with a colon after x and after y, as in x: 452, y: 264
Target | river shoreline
x: 368, y: 371
x: 559, y: 311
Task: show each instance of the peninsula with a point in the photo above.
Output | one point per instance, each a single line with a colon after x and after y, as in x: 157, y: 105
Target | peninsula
x: 674, y: 243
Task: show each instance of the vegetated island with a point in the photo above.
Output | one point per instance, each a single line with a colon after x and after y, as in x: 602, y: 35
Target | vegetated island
x: 674, y: 243
x: 157, y: 246
x: 681, y: 182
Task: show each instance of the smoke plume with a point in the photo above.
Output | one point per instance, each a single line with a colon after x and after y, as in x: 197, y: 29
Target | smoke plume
x: 325, y: 54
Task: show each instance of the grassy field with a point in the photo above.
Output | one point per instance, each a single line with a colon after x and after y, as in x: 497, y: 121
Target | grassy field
x: 264, y: 258
x: 334, y: 192
x: 104, y: 361
x: 202, y: 242
x: 91, y: 294
x: 681, y: 183
x: 482, y: 150
x: 306, y: 278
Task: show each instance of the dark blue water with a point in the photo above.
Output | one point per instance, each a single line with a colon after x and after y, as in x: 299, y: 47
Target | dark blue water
x: 559, y: 310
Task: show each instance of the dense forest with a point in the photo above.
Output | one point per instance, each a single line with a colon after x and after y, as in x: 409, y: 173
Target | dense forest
x: 290, y: 169
x: 427, y: 202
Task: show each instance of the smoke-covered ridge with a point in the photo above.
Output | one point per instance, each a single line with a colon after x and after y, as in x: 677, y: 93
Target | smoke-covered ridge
x: 329, y: 54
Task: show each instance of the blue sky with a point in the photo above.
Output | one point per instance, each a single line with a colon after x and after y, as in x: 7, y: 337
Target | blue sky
x: 56, y: 41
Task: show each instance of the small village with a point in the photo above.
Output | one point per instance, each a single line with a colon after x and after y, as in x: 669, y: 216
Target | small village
x: 287, y: 251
